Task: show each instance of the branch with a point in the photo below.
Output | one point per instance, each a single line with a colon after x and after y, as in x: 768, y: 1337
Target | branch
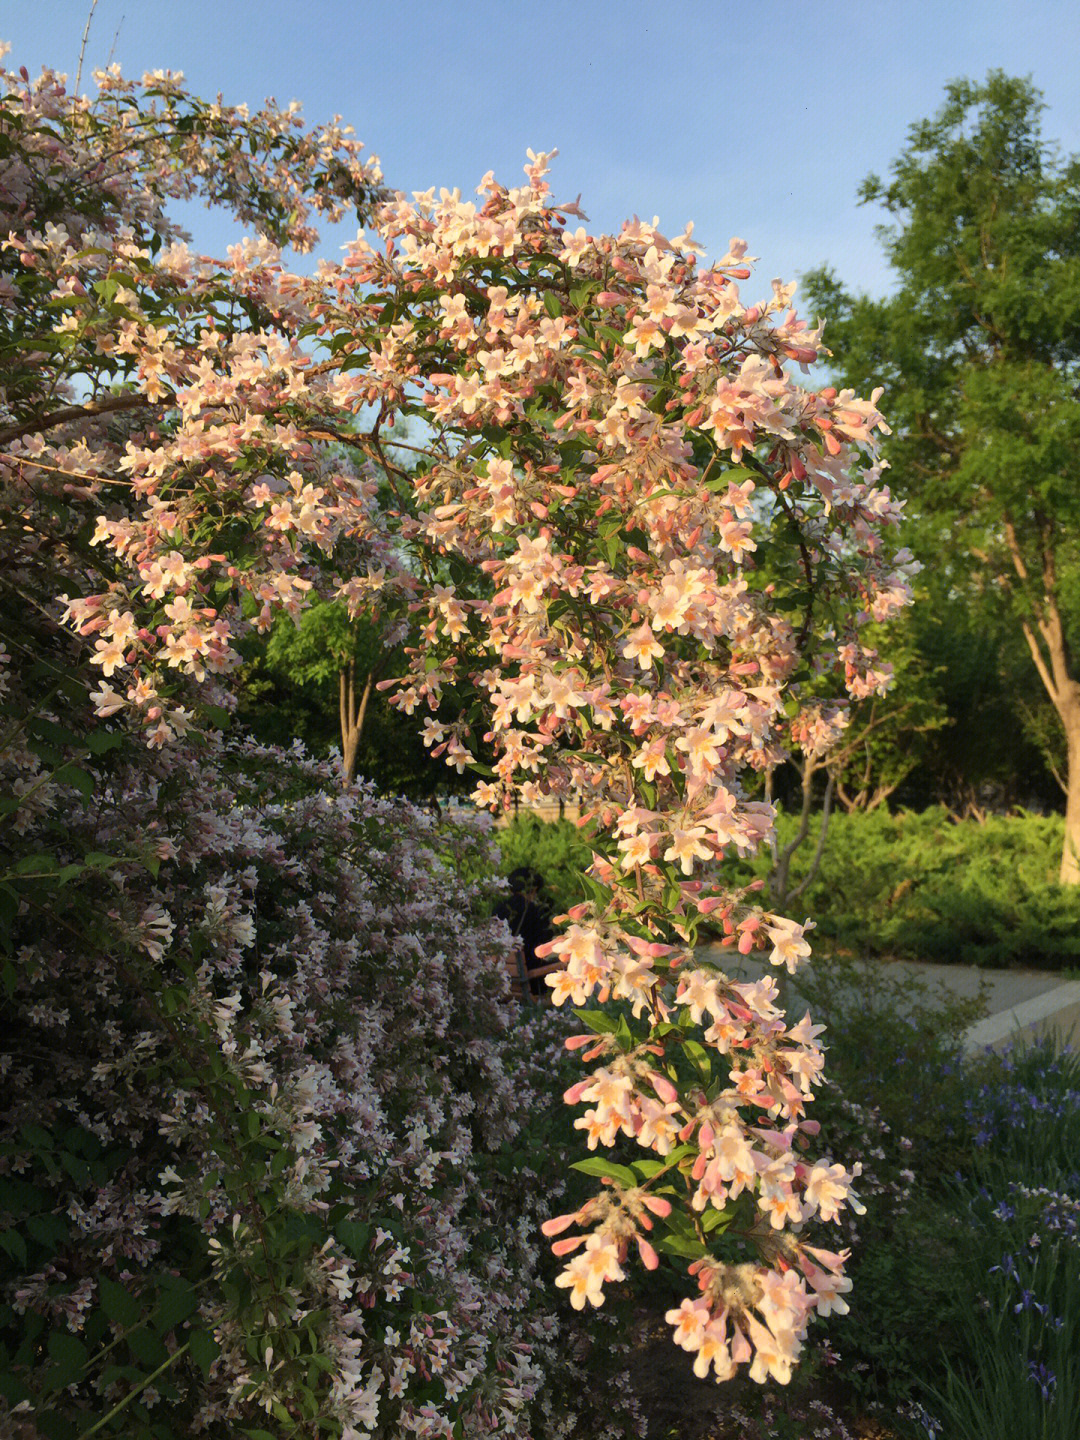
x: 882, y: 793
x: 783, y: 865
x: 1019, y: 563
x: 815, y: 864
x: 69, y: 413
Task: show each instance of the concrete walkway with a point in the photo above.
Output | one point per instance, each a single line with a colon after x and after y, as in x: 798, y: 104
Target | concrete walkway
x: 1017, y: 1005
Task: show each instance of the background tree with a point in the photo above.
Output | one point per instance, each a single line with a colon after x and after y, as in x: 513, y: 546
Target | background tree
x: 316, y: 680
x: 888, y: 736
x: 987, y: 758
x: 979, y: 350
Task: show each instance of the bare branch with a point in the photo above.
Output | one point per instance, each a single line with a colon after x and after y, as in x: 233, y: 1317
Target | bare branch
x: 815, y: 864
x: 82, y: 48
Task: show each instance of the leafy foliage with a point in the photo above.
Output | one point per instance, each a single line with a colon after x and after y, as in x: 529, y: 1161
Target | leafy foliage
x: 924, y: 887
x: 979, y: 346
x: 556, y: 849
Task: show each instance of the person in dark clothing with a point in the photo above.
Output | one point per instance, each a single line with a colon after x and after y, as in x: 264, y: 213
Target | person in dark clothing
x: 528, y: 915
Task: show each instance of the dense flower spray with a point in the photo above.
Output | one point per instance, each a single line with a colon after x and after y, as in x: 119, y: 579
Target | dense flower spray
x: 624, y: 534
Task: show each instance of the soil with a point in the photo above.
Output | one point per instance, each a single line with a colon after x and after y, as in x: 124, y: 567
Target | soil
x: 679, y: 1406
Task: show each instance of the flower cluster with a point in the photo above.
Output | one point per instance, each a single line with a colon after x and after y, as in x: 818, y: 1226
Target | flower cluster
x: 625, y: 528
x: 665, y: 517
x: 242, y: 1102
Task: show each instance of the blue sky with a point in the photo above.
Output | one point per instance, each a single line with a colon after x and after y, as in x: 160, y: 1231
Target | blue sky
x: 757, y: 120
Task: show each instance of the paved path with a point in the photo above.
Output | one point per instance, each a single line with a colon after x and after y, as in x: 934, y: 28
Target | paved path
x: 1018, y: 1004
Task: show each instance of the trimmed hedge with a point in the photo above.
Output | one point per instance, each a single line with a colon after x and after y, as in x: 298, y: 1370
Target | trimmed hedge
x: 914, y: 885
x: 924, y: 887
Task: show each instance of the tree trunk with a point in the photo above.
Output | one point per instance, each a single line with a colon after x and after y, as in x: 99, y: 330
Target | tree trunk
x: 781, y: 890
x: 1046, y: 639
x: 1070, y: 850
x: 351, y: 715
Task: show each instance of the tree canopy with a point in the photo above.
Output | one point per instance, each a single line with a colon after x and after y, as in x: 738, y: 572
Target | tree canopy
x: 979, y: 350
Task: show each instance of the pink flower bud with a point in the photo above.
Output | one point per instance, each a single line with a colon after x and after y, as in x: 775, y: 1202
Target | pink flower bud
x: 564, y: 1247
x: 649, y: 1257
x: 557, y: 1224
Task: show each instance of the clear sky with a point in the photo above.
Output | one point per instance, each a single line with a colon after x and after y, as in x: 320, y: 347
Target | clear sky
x: 757, y: 119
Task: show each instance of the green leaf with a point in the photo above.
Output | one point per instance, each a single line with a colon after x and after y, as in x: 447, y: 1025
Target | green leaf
x: 203, y: 1349
x: 69, y: 1358
x: 597, y: 1021
x: 119, y: 1305
x: 37, y: 864
x: 37, y: 1136
x: 646, y: 1169
x: 551, y: 304
x: 49, y: 1230
x: 699, y: 1058
x: 605, y: 1169
x: 688, y: 1247
x: 354, y: 1236
x: 77, y: 1168
x: 77, y: 778
x: 147, y: 1347
x: 100, y: 861
x: 14, y: 1244
x: 716, y: 1220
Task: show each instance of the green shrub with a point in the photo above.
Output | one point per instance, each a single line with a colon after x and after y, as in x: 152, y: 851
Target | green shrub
x: 922, y: 887
x: 556, y: 849
x: 894, y: 1103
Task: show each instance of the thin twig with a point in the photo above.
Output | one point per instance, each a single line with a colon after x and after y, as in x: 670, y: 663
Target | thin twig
x: 82, y: 49
x: 116, y: 36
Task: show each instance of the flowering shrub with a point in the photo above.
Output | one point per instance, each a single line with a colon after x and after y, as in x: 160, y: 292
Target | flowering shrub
x: 631, y: 543
x: 252, y: 1113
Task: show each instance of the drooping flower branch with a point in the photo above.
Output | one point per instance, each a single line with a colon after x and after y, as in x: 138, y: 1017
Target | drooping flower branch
x: 630, y: 540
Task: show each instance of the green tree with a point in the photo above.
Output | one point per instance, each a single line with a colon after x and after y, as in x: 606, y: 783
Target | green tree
x: 979, y: 350
x: 888, y: 736
x: 316, y: 680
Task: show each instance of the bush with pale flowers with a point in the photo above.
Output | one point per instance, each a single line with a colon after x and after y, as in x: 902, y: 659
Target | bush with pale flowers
x: 636, y: 549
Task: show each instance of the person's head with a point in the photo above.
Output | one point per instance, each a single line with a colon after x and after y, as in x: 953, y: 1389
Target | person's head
x: 526, y: 883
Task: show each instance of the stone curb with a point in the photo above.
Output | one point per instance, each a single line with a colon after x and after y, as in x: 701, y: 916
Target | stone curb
x: 1042, y: 1010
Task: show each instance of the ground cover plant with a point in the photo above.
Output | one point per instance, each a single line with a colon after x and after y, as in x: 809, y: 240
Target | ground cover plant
x: 1018, y: 1372
x: 632, y: 550
x: 964, y: 1299
x: 921, y: 886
